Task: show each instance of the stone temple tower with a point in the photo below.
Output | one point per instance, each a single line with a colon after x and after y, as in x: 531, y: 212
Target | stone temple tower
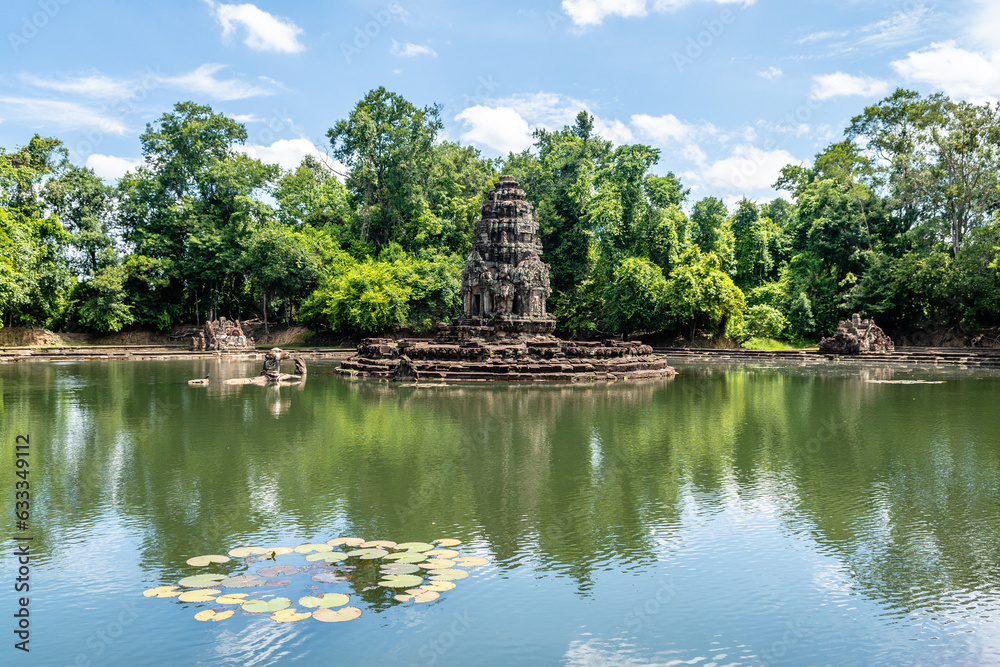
x: 505, y: 283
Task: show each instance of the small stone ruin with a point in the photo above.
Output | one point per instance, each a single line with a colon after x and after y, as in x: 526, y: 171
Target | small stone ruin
x: 857, y: 336
x: 221, y: 335
x: 505, y: 331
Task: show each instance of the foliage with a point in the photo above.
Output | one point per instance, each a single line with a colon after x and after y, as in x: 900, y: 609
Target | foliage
x: 699, y: 294
x: 763, y: 321
x: 633, y: 301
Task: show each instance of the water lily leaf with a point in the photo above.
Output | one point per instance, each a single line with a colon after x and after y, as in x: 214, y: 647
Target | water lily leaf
x: 336, y: 615
x: 290, y: 616
x: 438, y: 564
x: 415, y: 546
x: 276, y: 570
x: 326, y: 601
x: 277, y: 583
x: 202, y: 561
x: 327, y: 578
x: 309, y: 548
x: 441, y: 553
x: 212, y: 615
x: 448, y: 575
x: 162, y: 592
x: 242, y: 581
x: 278, y: 551
x: 243, y: 552
x: 378, y: 544
x: 231, y: 598
x: 201, y: 580
x: 400, y: 568
x: 439, y: 586
x: 406, y: 557
x: 329, y: 556
x: 421, y: 596
x: 346, y: 541
x: 368, y: 554
x: 472, y: 561
x: 200, y: 595
x: 401, y: 581
x: 447, y: 542
x: 266, y: 606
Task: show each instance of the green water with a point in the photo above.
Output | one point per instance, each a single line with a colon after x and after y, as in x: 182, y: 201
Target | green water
x: 733, y: 516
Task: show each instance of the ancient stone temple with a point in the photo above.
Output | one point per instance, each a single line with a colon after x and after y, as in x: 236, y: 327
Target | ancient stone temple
x: 505, y: 331
x: 505, y: 283
x: 857, y: 336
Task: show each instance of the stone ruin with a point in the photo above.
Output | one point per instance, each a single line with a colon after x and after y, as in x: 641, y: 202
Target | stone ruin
x: 221, y: 335
x: 505, y: 331
x: 857, y: 336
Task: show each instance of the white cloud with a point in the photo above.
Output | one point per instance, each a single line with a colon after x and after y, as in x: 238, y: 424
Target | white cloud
x: 203, y: 82
x: 840, y: 84
x: 288, y: 153
x: 502, y: 128
x: 771, y: 72
x: 959, y: 73
x: 409, y: 50
x: 593, y: 12
x: 92, y: 85
x: 672, y: 134
x: 264, y: 31
x: 747, y: 170
x: 112, y: 168
x: 614, y: 131
x: 62, y: 115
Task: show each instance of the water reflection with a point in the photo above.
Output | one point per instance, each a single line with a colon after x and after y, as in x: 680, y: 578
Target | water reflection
x: 896, y: 482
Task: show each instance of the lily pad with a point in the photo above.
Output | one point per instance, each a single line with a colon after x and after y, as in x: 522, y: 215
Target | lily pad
x: 277, y: 583
x: 243, y: 552
x: 378, y: 544
x: 368, y: 554
x: 242, y: 581
x: 400, y: 568
x: 447, y: 575
x: 447, y: 542
x: 327, y: 578
x: 406, y: 557
x: 439, y: 586
x: 266, y: 606
x: 202, y: 561
x: 329, y: 556
x: 201, y: 580
x: 232, y: 598
x: 325, y: 601
x: 438, y: 564
x: 415, y: 546
x: 401, y: 581
x: 162, y: 592
x: 290, y: 616
x: 422, y: 596
x: 336, y: 615
x: 212, y: 615
x: 276, y: 570
x: 278, y: 551
x: 200, y: 595
x: 309, y: 548
x: 472, y: 561
x: 441, y: 553
x: 346, y: 541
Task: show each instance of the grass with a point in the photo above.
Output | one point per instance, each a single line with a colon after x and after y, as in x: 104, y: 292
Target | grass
x: 768, y: 344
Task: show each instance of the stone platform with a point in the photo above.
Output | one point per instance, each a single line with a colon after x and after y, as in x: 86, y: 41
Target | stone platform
x: 526, y: 359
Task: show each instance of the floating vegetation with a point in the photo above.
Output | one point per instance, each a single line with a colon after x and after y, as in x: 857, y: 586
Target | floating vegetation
x: 906, y: 381
x: 202, y: 561
x: 377, y: 571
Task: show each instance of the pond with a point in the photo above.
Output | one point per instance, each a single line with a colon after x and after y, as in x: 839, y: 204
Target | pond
x: 736, y: 515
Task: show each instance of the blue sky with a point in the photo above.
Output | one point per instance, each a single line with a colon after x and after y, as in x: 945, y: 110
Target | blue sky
x: 729, y: 90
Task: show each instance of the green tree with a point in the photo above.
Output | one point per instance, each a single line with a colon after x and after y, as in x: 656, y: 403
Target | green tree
x: 388, y: 145
x: 634, y: 298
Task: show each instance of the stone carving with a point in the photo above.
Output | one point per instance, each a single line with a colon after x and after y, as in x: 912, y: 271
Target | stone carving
x: 504, y: 279
x: 221, y: 335
x: 272, y: 365
x: 857, y: 336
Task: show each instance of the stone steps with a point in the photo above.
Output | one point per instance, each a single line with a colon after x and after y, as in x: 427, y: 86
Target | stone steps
x: 148, y: 353
x: 905, y: 355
